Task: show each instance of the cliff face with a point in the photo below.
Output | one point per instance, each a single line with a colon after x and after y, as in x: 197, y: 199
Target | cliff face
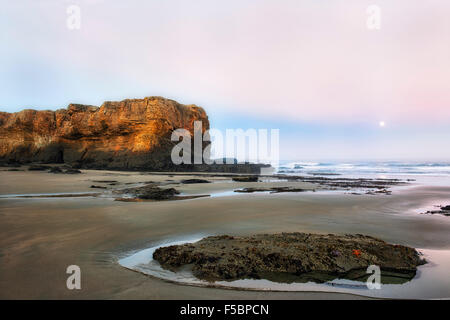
x: 130, y: 134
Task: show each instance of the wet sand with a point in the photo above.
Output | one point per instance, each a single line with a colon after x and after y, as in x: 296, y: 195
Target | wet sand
x: 40, y: 237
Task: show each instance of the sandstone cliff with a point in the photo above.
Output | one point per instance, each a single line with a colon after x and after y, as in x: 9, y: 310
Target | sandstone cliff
x: 130, y: 134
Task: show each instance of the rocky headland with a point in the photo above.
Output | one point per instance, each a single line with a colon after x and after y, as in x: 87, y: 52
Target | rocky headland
x: 292, y: 257
x: 133, y: 134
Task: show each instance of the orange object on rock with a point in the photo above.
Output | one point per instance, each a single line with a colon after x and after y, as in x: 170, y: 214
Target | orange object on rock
x: 356, y: 252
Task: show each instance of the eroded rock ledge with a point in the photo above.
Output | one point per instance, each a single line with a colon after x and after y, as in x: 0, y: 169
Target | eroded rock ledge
x: 292, y: 257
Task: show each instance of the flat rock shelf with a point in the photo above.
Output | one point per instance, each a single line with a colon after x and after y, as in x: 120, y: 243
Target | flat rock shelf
x: 292, y: 257
x: 430, y: 280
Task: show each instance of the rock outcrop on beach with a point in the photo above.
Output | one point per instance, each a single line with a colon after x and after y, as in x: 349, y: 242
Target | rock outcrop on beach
x: 271, y: 190
x: 292, y: 257
x: 130, y: 134
x: 150, y: 192
x: 444, y: 210
x: 245, y: 179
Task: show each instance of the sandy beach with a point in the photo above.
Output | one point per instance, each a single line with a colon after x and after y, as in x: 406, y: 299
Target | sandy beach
x: 224, y: 150
x: 40, y: 237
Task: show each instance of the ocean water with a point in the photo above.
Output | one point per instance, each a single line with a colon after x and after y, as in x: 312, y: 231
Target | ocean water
x: 366, y: 168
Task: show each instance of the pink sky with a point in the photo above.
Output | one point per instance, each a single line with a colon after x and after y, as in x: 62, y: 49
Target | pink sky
x: 306, y: 61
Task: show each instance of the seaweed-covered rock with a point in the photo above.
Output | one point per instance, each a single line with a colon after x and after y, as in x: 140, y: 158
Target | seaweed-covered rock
x: 192, y: 181
x: 444, y: 210
x: 246, y: 179
x: 72, y: 171
x: 55, y: 170
x: 293, y: 256
x: 271, y: 190
x: 149, y: 192
x: 158, y: 194
x: 36, y: 167
x: 97, y: 187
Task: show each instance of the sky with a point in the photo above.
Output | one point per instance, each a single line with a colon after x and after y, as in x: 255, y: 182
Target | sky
x: 312, y: 68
